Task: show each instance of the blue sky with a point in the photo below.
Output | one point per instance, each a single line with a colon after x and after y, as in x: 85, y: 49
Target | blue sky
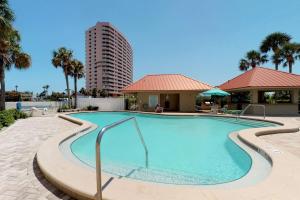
x: 203, y: 39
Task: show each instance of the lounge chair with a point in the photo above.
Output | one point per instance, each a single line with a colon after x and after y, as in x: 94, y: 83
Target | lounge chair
x: 224, y: 109
x: 198, y: 108
x: 35, y: 112
x: 159, y: 109
x: 134, y: 107
x: 214, y: 109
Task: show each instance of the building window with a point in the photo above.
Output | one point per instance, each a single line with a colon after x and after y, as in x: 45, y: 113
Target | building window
x: 275, y: 97
x: 153, y: 100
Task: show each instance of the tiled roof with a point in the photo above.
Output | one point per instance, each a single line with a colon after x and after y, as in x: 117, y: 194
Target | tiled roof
x: 166, y: 82
x: 262, y: 77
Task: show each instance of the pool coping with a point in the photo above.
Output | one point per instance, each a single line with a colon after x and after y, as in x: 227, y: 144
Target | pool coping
x: 259, y: 162
x: 281, y: 183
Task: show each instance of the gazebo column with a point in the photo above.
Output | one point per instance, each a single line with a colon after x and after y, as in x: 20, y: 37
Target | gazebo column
x: 295, y: 96
x: 254, y: 96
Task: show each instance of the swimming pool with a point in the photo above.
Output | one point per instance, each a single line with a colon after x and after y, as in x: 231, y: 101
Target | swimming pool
x: 182, y: 149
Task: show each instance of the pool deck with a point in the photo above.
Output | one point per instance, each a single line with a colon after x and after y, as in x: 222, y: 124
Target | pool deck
x: 22, y: 179
x: 289, y: 142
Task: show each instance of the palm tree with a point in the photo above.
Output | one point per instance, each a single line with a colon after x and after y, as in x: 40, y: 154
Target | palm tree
x: 274, y: 42
x: 94, y: 92
x: 103, y: 93
x: 62, y: 58
x: 252, y: 59
x: 46, y: 87
x: 6, y: 19
x: 289, y: 53
x: 276, y: 59
x: 83, y: 91
x: 77, y: 72
x: 10, y: 49
x: 244, y: 65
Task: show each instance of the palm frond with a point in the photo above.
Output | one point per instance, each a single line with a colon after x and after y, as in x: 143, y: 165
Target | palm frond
x: 289, y: 53
x: 6, y: 12
x: 274, y: 41
x: 244, y: 65
x: 77, y: 69
x: 23, y: 61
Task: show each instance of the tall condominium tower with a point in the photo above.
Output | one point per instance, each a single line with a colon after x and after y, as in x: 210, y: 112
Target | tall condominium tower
x: 109, y: 64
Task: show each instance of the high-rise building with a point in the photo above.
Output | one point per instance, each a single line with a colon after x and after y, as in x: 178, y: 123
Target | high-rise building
x: 109, y: 64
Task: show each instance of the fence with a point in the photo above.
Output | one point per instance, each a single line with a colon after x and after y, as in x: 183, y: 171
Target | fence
x: 37, y: 104
x: 104, y: 104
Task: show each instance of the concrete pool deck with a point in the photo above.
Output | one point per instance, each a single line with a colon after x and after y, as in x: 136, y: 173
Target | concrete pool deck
x: 21, y: 178
x: 282, y: 183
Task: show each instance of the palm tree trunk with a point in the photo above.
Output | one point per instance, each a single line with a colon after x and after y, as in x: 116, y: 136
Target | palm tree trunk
x: 68, y: 90
x: 2, y: 95
x: 290, y: 68
x: 75, y: 89
x: 276, y: 66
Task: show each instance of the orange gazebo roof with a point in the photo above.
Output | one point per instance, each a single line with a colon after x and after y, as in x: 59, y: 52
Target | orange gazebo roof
x: 260, y: 77
x: 166, y: 82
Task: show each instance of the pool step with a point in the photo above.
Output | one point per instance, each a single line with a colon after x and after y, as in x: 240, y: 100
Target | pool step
x: 246, y: 122
x: 158, y: 176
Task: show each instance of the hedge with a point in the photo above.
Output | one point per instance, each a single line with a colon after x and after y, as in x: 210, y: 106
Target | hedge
x: 8, y: 117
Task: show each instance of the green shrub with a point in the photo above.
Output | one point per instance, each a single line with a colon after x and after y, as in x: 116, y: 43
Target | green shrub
x: 90, y: 108
x: 23, y: 115
x: 63, y: 108
x: 17, y: 114
x: 6, y: 118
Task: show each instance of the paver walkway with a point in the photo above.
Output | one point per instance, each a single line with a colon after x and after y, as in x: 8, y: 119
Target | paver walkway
x: 20, y: 177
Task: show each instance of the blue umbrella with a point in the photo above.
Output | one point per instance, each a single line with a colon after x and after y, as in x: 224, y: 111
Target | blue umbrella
x: 215, y: 92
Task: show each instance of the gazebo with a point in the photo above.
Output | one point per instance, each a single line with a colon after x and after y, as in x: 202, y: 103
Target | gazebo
x: 173, y: 92
x: 277, y: 90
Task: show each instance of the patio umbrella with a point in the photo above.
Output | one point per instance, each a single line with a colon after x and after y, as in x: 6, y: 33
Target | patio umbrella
x: 215, y: 92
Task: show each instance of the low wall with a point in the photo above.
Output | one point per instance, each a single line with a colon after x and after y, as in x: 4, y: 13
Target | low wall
x: 104, y: 104
x: 38, y: 104
x: 278, y: 109
x: 272, y: 109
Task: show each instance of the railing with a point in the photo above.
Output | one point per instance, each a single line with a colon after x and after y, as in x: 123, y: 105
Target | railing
x: 254, y: 105
x: 98, y: 159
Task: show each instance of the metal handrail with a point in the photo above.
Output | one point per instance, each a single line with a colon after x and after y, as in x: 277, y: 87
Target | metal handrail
x: 257, y: 105
x: 98, y: 159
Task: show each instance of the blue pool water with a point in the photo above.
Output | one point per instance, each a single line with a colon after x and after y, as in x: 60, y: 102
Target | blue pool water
x: 182, y: 149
